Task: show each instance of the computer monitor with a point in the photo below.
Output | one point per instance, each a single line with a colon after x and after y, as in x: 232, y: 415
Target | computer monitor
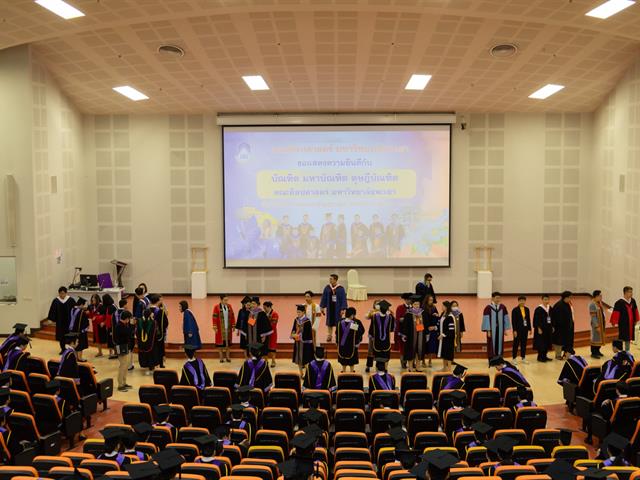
x: 89, y: 281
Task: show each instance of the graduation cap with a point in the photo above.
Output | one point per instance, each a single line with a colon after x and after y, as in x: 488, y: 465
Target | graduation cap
x: 314, y: 398
x: 245, y: 300
x: 415, y: 298
x: 384, y: 305
x: 222, y: 430
x: 304, y: 441
x: 21, y: 341
x: 190, y: 348
x: 561, y: 470
x: 617, y: 441
x: 406, y: 456
x: 143, y: 429
x: 129, y: 437
x: 470, y: 414
x: 381, y: 364
x: 397, y: 434
x: 244, y: 389
x: 70, y: 337
x: 142, y: 470
x: 206, y: 441
x: 81, y: 301
x: 20, y: 327
x: 168, y: 459
x: 617, y: 344
x: 435, y: 461
x: 112, y: 433
x: 296, y: 468
x: 237, y: 408
x: 256, y: 349
x: 458, y: 396
x: 481, y: 428
x: 522, y: 391
x: 319, y: 353
x: 504, y: 445
x: 256, y: 299
x: 5, y: 377
x: 313, y: 430
x: 301, y: 307
x: 350, y: 312
x: 162, y: 410
x: 565, y: 435
x: 497, y: 360
x: 393, y: 418
x: 311, y: 416
x: 459, y: 370
x: 52, y: 386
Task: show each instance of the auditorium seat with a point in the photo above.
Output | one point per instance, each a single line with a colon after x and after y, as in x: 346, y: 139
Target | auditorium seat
x: 160, y: 436
x: 166, y: 377
x: 351, y: 453
x: 522, y: 453
x: 209, y: 472
x: 424, y: 440
x: 7, y: 472
x: 422, y: 399
x: 412, y: 381
x: 381, y: 440
x: 623, y: 421
x: 283, y: 397
x: 540, y: 464
x: 277, y: 438
x: 385, y: 399
x: 517, y: 434
x: 350, y: 439
x: 511, y: 472
x: 547, y: 438
x: 288, y: 380
x: 354, y: 473
x: 325, y: 402
x: 498, y: 418
x: 147, y: 447
x: 77, y: 457
x: 511, y: 397
x: 51, y: 419
x: 385, y: 456
x: 324, y: 420
x: 20, y: 401
x: 188, y: 434
x: 225, y: 465
x: 623, y: 473
x: 476, y: 456
x: 351, y: 464
x: 320, y: 455
x: 462, y: 440
x: 530, y: 419
x: 94, y: 446
x: 401, y: 475
x: 379, y: 422
x: 450, y: 450
x: 474, y: 380
x: 226, y: 378
x: 452, y: 422
x: 44, y: 463
x: 485, y: 398
x: 118, y: 475
x: 206, y: 417
x: 178, y: 416
x: 87, y: 404
x: 634, y: 387
x: 390, y: 468
x: 444, y: 400
x: 588, y: 463
x: 420, y: 420
x: 457, y: 473
x: 89, y: 384
x: 586, y: 406
x: 23, y: 428
x: 219, y: 397
x: 238, y: 435
x: 100, y: 467
x: 437, y: 382
x: 37, y: 365
x: 350, y: 399
x: 152, y: 394
x: 37, y: 383
x: 188, y: 450
x: 18, y: 380
x: 133, y: 413
x: 60, y: 472
x: 571, y: 453
x: 350, y: 381
x: 272, y: 452
x: 349, y: 420
x: 256, y: 398
x: 277, y: 418
x: 186, y: 396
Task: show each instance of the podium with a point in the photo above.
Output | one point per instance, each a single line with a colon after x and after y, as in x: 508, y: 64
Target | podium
x: 199, y: 272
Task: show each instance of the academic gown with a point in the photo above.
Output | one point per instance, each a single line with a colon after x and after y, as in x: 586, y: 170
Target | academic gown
x: 460, y: 329
x: 79, y: 324
x: 241, y: 326
x: 398, y: 343
x: 9, y: 344
x: 302, y: 335
x: 223, y: 334
x: 542, y: 321
x: 69, y: 365
x: 348, y: 338
x: 190, y: 329
x: 446, y: 344
x: 431, y: 319
x: 423, y: 290
x: 614, y: 369
x: 60, y: 313
x: 334, y: 299
x: 572, y: 370
x: 149, y: 354
x: 139, y: 306
x: 255, y: 373
x: 412, y: 332
x: 257, y: 329
x: 511, y: 377
x: 625, y: 316
x: 380, y: 334
x: 597, y: 318
x: 451, y: 382
x: 562, y: 322
x: 319, y: 376
x: 381, y: 382
x: 195, y: 374
x: 495, y: 319
x: 17, y: 359
x: 162, y: 324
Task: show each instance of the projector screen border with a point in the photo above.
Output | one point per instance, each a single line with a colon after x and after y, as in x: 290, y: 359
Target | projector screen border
x: 311, y: 119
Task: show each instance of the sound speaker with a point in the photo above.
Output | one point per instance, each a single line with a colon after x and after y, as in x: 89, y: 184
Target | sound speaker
x: 11, y: 190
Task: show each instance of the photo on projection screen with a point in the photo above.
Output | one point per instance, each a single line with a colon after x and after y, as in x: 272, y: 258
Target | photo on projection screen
x: 336, y: 196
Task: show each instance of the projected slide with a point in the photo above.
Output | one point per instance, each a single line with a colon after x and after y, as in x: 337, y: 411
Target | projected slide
x: 350, y: 196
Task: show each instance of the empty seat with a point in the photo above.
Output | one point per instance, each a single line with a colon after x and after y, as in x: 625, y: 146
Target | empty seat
x: 385, y: 399
x: 445, y: 400
x: 133, y: 413
x: 50, y: 419
x: 425, y: 440
x: 351, y: 453
x: 350, y: 439
x: 266, y: 438
x: 271, y: 452
x: 511, y: 472
x: 23, y: 428
x: 185, y: 395
x: 379, y: 422
x: 37, y: 382
x: 94, y: 446
x: 476, y: 456
x: 422, y: 421
x: 209, y: 472
x: 530, y: 419
x: 259, y: 471
x: 206, y: 417
x: 547, y: 438
x: 485, y: 398
x: 422, y: 399
x: 77, y: 457
x: 89, y: 384
x: 216, y: 396
x: 519, y: 435
x: 225, y: 378
x: 188, y: 450
x: 188, y: 434
x: 349, y: 420
x: 571, y: 453
x: 87, y: 404
x: 178, y: 416
x: 350, y: 381
x: 412, y: 381
x: 166, y: 377
x: 499, y: 418
x: 100, y: 467
x: 288, y: 380
x: 44, y: 463
x: 20, y: 401
x: 474, y: 380
x: 277, y: 418
x: 283, y: 397
x: 153, y: 395
x: 350, y: 399
x: 523, y: 453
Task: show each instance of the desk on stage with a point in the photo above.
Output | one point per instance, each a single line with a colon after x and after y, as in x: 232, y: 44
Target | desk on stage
x: 116, y: 293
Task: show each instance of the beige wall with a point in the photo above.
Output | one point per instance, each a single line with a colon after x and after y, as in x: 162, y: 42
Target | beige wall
x: 516, y: 186
x: 614, y: 222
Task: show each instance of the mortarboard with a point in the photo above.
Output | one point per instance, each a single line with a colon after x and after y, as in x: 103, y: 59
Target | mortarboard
x: 81, y: 301
x: 470, y: 414
x: 438, y: 460
x: 256, y: 299
x: 206, y: 441
x: 497, y: 360
x: 561, y: 470
x: 505, y: 445
x: 616, y: 441
x: 168, y: 459
x: 112, y: 433
x: 162, y: 410
x: 458, y: 369
x: 314, y: 397
x: 296, y: 468
x: 301, y: 308
x: 20, y: 327
x: 190, y: 348
x: 21, y: 341
x: 237, y: 408
x: 142, y: 470
x: 313, y: 430
x: 222, y: 430
x: 52, y: 386
x: 246, y: 299
x: 384, y: 305
x: 565, y: 436
x: 458, y: 395
x: 256, y: 349
x: 311, y: 416
x: 350, y: 311
x: 617, y: 344
x: 245, y: 389
x: 319, y: 353
x: 492, y: 445
x: 393, y: 418
x: 304, y: 441
x: 481, y: 428
x: 406, y: 456
x: 381, y: 364
x: 397, y: 434
x: 143, y: 428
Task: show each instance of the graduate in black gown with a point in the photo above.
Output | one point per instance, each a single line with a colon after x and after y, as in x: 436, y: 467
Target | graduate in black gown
x: 255, y: 370
x: 412, y: 333
x: 542, y: 329
x: 349, y: 332
x: 60, y: 313
x: 511, y: 376
x: 381, y: 380
x: 241, y: 323
x: 162, y: 324
x: 380, y: 328
x: 572, y: 369
x: 302, y: 335
x: 148, y: 348
x: 455, y: 381
x: 11, y: 340
x: 319, y: 373
x: 257, y: 328
x: 17, y: 359
x: 79, y: 323
x: 563, y: 325
x: 194, y: 371
x: 69, y: 360
x: 447, y: 337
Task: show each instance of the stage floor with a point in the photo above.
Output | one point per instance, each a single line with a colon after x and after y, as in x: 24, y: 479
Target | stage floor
x: 285, y: 305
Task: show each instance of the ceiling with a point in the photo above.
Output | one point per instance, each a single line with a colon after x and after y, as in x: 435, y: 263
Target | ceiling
x: 328, y: 55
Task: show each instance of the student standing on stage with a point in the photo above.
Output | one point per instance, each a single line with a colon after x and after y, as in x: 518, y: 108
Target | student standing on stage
x: 313, y: 313
x: 140, y: 302
x: 121, y: 339
x: 425, y: 288
x: 190, y: 329
x: 333, y: 304
x: 242, y: 323
x: 625, y: 316
x: 273, y: 318
x: 447, y: 337
x: 106, y: 313
x: 412, y: 334
x: 460, y: 328
x: 349, y: 332
x: 60, y: 313
x: 162, y: 323
x: 319, y: 373
x: 382, y: 324
x: 542, y: 329
x: 80, y: 324
x: 149, y: 353
x: 597, y: 315
x: 370, y: 356
x: 257, y: 328
x: 431, y: 319
x: 563, y: 325
x: 302, y: 335
x: 401, y: 311
x: 521, y: 322
x: 97, y: 322
x: 223, y: 321
x: 495, y: 322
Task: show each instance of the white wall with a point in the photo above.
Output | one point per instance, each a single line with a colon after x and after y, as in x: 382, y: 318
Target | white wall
x: 516, y: 186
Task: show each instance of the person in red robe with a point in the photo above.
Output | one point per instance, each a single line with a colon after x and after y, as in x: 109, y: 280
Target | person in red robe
x: 401, y: 311
x: 224, y: 321
x: 625, y: 316
x: 273, y: 317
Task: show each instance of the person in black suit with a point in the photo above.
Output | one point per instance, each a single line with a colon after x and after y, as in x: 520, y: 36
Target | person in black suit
x: 521, y: 322
x: 426, y: 288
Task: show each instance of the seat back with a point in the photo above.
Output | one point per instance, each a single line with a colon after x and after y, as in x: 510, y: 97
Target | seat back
x: 325, y: 402
x: 37, y: 365
x: 350, y: 399
x: 188, y: 434
x: 160, y: 436
x: 166, y: 377
x: 60, y: 472
x: 385, y: 398
x: 444, y: 400
x: 587, y: 379
x: 571, y: 453
x: 94, y: 446
x: 422, y: 399
x: 523, y: 453
x: 20, y: 401
x: 271, y: 452
x: 476, y: 456
x: 283, y: 397
x: 530, y: 419
x: 351, y: 453
x: 350, y: 440
x: 23, y: 427
x: 423, y: 440
x: 44, y: 463
x: 152, y: 394
x: 188, y: 450
x: 77, y: 457
x: 461, y: 440
x: 412, y: 381
x: 216, y: 396
x: 18, y: 380
x: 499, y: 418
x: 625, y: 416
x: 349, y: 420
x: 206, y: 417
x: 178, y: 416
x: 69, y: 391
x: 266, y: 438
x: 378, y: 421
x: 100, y: 467
x: 209, y: 472
x: 456, y: 473
x: 288, y: 380
x: 511, y: 472
x: 422, y: 420
x: 133, y: 413
x: 437, y: 382
x: 606, y: 390
x: 185, y: 395
x: 473, y: 380
x: 547, y: 438
x: 37, y: 382
x: 350, y: 381
x: 277, y: 418
x: 262, y: 472
x: 47, y: 413
x: 634, y: 386
x: 225, y: 378
x: 485, y: 398
x: 8, y: 473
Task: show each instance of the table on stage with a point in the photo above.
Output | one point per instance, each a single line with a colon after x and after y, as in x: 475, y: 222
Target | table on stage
x: 116, y: 293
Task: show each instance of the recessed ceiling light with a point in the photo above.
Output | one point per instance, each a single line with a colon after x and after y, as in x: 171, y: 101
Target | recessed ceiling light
x: 417, y: 82
x: 546, y: 91
x: 255, y: 82
x: 60, y: 8
x: 131, y: 93
x: 607, y: 9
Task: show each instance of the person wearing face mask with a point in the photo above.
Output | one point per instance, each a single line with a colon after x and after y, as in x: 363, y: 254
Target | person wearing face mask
x: 460, y: 328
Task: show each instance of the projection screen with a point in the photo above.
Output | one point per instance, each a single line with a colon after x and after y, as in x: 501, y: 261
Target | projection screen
x: 336, y: 196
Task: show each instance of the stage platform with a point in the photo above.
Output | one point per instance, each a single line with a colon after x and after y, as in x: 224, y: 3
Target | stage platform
x: 474, y: 344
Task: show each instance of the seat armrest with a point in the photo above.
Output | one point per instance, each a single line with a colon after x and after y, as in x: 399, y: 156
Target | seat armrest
x: 50, y: 444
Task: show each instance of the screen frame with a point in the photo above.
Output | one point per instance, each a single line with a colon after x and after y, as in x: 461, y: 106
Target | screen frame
x: 224, y: 213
